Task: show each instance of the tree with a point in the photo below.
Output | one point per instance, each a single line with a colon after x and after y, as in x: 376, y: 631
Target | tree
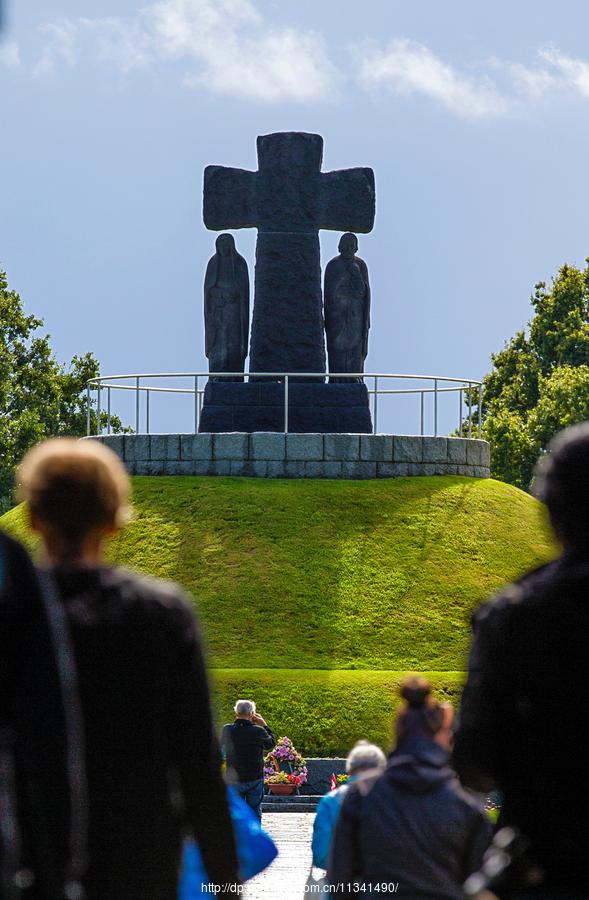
x: 39, y: 397
x: 540, y: 380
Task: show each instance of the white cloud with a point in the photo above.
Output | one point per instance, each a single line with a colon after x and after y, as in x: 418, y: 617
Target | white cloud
x: 60, y: 47
x: 272, y: 67
x: 532, y: 82
x: 225, y: 45
x: 556, y: 74
x: 9, y: 55
x: 188, y: 27
x: 117, y: 43
x: 408, y: 67
x: 238, y: 54
x: 572, y: 72
x: 228, y: 47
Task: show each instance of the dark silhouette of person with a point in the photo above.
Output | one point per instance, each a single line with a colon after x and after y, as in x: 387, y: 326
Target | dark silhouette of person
x: 347, y: 309
x: 153, y: 764
x: 523, y: 727
x: 227, y: 307
x: 36, y: 791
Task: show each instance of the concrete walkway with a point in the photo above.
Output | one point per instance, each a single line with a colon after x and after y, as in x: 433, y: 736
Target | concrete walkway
x: 287, y: 875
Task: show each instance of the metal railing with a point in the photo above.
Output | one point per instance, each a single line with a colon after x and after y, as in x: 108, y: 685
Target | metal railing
x: 436, y: 386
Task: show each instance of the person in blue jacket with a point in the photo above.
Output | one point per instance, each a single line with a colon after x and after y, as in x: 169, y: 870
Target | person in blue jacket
x: 363, y: 757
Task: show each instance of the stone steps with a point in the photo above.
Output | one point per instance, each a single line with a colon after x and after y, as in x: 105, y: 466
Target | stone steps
x: 296, y: 803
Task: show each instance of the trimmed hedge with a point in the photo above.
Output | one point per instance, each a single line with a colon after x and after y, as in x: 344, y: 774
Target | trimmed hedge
x: 324, y: 712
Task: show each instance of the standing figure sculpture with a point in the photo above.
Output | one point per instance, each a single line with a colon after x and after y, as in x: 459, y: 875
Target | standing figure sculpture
x: 227, y: 309
x: 347, y: 310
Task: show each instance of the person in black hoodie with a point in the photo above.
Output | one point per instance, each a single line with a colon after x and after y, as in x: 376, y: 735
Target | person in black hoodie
x: 412, y: 831
x: 152, y: 761
x: 522, y: 723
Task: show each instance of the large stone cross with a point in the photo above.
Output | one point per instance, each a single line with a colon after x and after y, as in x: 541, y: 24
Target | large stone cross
x: 288, y: 200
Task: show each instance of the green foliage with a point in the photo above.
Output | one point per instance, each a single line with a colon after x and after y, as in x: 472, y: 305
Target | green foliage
x: 380, y: 574
x: 39, y: 397
x: 325, y: 712
x: 540, y: 380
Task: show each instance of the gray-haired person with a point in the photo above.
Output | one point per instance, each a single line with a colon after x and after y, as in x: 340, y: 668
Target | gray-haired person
x: 245, y: 743
x: 363, y: 757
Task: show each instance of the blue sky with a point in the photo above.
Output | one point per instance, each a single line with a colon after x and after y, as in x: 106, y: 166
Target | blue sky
x: 475, y: 118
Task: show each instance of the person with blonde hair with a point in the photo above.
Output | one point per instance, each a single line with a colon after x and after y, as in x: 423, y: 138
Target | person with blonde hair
x: 152, y: 761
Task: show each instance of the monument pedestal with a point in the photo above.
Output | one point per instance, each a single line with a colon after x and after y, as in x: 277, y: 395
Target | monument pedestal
x: 279, y: 455
x: 312, y: 408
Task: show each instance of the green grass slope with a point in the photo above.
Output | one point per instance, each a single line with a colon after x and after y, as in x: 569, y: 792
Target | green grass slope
x: 331, y: 574
x: 317, y: 596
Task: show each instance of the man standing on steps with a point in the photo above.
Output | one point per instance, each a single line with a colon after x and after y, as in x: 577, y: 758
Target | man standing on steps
x: 244, y: 745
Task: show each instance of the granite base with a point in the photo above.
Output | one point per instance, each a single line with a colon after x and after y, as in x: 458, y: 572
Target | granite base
x: 258, y: 406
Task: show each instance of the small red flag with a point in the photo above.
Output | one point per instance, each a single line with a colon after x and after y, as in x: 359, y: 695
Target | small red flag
x: 333, y: 782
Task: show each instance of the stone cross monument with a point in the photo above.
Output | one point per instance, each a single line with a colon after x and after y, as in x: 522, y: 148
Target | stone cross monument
x: 288, y: 200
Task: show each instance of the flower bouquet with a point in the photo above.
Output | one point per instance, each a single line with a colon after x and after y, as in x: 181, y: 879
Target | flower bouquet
x: 284, y: 768
x: 282, y: 783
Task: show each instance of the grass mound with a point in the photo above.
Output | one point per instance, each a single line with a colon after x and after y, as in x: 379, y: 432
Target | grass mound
x: 299, y: 582
x: 328, y: 574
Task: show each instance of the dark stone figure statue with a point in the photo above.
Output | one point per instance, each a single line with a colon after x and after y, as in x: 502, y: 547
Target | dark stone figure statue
x: 347, y: 309
x: 227, y: 309
x: 289, y: 199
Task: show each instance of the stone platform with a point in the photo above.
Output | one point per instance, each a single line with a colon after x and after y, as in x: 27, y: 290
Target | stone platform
x: 259, y: 406
x: 279, y: 455
x: 294, y: 804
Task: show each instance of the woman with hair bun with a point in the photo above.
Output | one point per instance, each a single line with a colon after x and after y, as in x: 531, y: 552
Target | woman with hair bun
x: 412, y: 827
x: 422, y: 715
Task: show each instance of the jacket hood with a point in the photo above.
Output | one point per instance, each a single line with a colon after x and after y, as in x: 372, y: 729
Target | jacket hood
x: 419, y: 766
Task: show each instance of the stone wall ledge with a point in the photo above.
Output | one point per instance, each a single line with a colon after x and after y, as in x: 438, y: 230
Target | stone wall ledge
x: 276, y: 455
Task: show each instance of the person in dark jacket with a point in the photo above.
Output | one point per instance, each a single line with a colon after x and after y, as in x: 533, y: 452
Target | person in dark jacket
x: 523, y: 728
x: 34, y: 784
x: 244, y: 744
x: 412, y: 831
x: 153, y: 766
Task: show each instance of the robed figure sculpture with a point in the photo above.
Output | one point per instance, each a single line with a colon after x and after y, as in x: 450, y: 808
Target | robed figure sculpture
x: 347, y: 309
x: 227, y: 308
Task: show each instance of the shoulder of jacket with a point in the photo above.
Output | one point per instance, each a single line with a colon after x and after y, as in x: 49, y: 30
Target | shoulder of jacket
x: 469, y: 801
x: 500, y: 607
x: 363, y: 784
x: 327, y: 802
x: 148, y: 591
